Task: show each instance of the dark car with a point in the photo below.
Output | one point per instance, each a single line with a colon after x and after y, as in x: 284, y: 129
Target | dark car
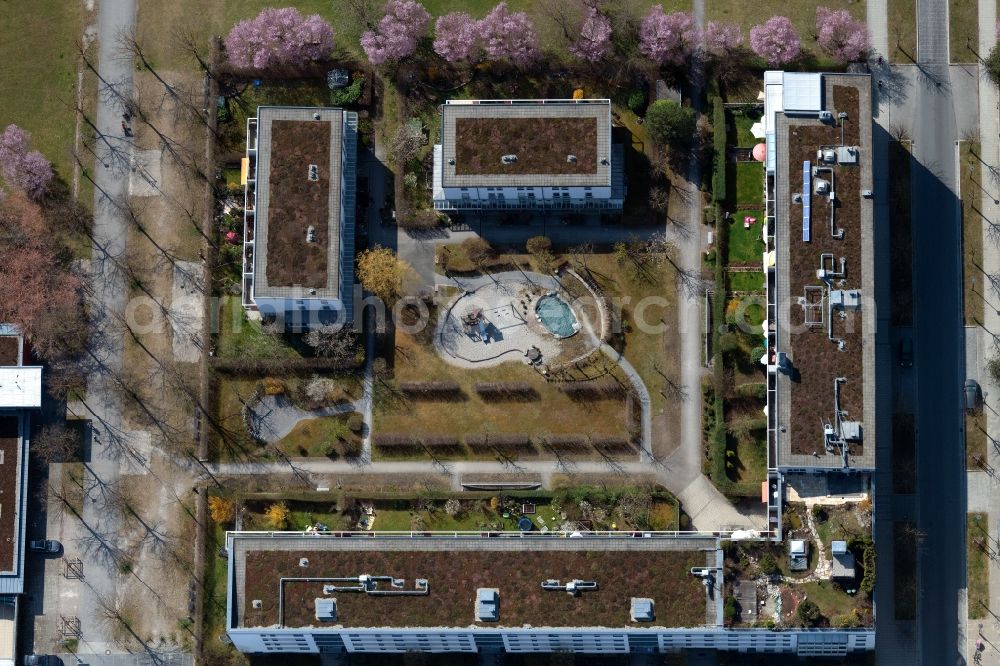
x: 906, y: 353
x: 49, y: 546
x: 40, y: 660
x: 973, y: 395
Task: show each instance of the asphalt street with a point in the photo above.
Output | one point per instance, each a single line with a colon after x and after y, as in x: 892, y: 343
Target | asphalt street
x: 939, y: 347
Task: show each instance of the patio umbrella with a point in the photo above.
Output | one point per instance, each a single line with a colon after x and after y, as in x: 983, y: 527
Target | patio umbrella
x: 757, y: 129
x: 760, y: 152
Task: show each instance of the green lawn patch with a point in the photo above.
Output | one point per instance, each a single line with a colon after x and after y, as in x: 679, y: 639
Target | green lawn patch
x: 746, y: 281
x: 742, y: 120
x: 38, y: 75
x: 241, y: 338
x: 749, y: 183
x: 745, y: 245
x: 972, y: 231
x: 801, y: 13
x: 902, y: 15
x: 979, y: 544
x: 327, y: 436
x: 963, y: 20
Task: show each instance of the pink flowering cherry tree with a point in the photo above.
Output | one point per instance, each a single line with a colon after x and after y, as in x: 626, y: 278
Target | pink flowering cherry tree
x: 24, y: 169
x: 841, y: 35
x: 456, y: 37
x: 722, y: 39
x: 397, y: 33
x: 776, y: 41
x: 509, y: 36
x: 668, y: 39
x: 278, y: 37
x: 594, y: 41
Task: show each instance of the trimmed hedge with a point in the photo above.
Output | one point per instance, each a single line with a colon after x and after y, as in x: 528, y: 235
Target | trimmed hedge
x: 612, y: 444
x: 506, y: 391
x: 431, y: 390
x: 752, y: 389
x: 719, y: 144
x: 441, y: 442
x: 605, y: 389
x: 395, y: 441
x: 566, y: 442
x: 504, y: 442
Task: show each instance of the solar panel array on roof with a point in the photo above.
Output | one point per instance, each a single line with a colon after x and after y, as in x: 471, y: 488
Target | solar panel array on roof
x: 806, y: 200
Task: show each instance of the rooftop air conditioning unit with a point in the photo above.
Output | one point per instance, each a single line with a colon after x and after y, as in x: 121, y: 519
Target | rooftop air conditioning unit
x: 821, y: 186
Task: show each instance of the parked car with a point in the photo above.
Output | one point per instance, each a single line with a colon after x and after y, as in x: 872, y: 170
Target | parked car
x: 973, y: 395
x: 48, y: 546
x: 906, y: 353
x: 40, y: 660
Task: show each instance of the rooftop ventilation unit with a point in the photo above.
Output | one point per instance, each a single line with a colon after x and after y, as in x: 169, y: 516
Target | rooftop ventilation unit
x: 821, y: 186
x: 851, y: 430
x: 509, y: 159
x: 825, y: 117
x: 303, y: 561
x: 604, y: 161
x: 641, y: 610
x: 451, y: 161
x: 487, y: 604
x: 316, y: 116
x: 257, y: 603
x: 845, y: 299
x: 313, y: 172
x: 311, y: 234
x: 571, y: 159
x: 826, y: 156
x: 326, y: 609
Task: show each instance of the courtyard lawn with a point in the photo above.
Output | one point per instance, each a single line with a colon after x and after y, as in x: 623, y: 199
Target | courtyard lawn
x: 38, y: 75
x: 649, y: 352
x: 978, y: 544
x: 801, y: 13
x: 745, y: 245
x: 743, y: 121
x: 552, y: 412
x: 241, y: 338
x: 746, y: 281
x: 327, y: 436
x: 750, y: 184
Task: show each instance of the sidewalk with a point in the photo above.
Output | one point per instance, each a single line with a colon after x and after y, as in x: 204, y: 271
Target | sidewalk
x: 984, y: 492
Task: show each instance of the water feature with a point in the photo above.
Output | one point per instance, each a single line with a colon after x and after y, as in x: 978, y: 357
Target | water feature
x: 556, y: 315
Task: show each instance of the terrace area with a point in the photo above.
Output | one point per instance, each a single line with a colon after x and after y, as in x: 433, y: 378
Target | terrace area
x: 455, y: 568
x: 824, y: 270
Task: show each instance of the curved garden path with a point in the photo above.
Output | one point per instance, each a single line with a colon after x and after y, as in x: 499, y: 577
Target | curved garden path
x: 274, y: 416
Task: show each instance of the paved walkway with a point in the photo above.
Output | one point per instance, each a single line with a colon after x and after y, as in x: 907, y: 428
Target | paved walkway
x: 984, y: 491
